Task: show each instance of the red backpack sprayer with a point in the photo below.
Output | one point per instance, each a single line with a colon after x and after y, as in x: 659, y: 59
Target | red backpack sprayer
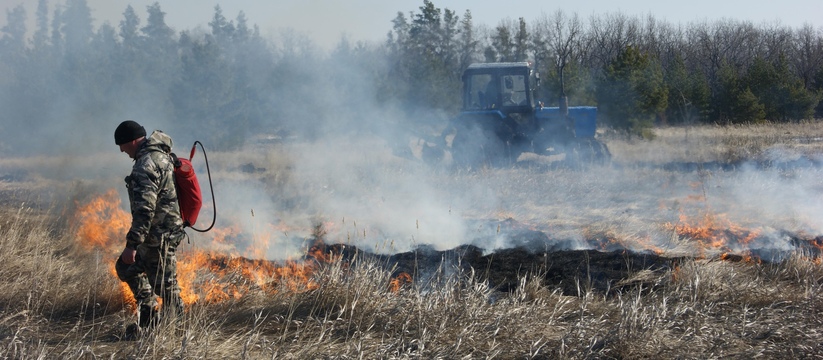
x: 189, y: 196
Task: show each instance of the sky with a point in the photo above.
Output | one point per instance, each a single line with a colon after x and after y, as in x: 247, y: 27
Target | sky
x: 370, y: 20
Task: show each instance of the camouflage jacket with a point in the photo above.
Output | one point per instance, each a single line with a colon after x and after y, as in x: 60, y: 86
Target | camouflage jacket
x: 153, y: 199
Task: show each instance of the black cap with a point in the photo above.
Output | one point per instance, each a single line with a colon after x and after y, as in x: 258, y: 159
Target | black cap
x: 127, y: 131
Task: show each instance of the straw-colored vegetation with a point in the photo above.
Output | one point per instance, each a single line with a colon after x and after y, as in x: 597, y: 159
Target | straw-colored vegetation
x: 722, y: 143
x: 60, y: 300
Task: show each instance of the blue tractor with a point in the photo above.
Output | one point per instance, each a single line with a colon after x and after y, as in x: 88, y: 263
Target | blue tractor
x: 500, y: 120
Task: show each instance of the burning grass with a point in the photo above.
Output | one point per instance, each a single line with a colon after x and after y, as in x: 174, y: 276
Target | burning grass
x: 706, y: 306
x: 664, y: 254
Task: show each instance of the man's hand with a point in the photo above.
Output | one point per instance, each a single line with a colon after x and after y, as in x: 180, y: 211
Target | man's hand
x: 128, y: 256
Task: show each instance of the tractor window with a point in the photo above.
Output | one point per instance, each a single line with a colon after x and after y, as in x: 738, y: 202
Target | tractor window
x: 487, y: 91
x: 478, y: 96
x: 514, y: 93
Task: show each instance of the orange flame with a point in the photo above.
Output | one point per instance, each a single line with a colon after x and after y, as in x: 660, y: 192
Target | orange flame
x: 745, y: 257
x: 402, y: 279
x: 203, y: 276
x: 101, y: 224
x: 817, y: 242
x: 714, y: 231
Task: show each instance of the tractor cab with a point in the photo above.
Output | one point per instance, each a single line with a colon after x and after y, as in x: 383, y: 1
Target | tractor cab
x: 499, y: 121
x: 500, y: 87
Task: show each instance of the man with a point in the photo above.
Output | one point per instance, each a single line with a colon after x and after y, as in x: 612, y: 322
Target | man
x: 148, y: 263
x: 491, y: 96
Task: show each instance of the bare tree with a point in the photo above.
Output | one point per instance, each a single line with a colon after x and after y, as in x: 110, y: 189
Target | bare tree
x: 673, y: 44
x: 662, y: 40
x: 807, y: 53
x: 775, y: 40
x: 563, y: 40
x: 609, y: 36
x: 649, y: 36
x: 724, y: 41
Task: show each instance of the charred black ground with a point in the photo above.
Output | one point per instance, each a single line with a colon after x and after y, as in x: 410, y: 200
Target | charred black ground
x: 572, y: 271
x: 603, y: 271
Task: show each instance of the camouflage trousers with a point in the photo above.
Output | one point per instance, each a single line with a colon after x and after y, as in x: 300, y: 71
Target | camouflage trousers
x: 154, y: 273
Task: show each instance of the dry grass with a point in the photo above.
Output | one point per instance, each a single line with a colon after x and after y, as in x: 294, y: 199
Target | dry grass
x: 59, y: 300
x: 726, y: 144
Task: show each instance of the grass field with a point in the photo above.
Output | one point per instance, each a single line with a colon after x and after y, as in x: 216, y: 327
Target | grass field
x: 734, y: 204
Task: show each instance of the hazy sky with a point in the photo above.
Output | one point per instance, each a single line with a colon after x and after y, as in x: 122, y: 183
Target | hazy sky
x: 324, y: 21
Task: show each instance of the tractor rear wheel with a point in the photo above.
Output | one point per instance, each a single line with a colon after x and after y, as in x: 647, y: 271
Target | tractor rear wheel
x: 473, y: 148
x: 586, y: 152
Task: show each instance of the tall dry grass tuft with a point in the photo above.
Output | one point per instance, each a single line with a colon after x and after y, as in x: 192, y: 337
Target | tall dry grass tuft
x: 451, y: 314
x: 49, y: 288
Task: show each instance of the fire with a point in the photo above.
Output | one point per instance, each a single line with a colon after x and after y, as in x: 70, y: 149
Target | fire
x: 398, y: 282
x: 210, y: 276
x: 745, y: 257
x: 715, y: 231
x: 102, y: 223
x: 817, y: 242
x: 215, y: 277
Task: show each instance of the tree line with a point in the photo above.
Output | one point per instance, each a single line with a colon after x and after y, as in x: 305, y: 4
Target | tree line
x: 639, y: 71
x: 226, y: 83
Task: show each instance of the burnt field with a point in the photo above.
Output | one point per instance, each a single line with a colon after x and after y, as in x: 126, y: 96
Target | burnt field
x: 704, y: 242
x: 606, y: 269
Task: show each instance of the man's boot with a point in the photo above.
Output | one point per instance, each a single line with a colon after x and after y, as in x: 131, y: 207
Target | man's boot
x: 132, y: 332
x: 172, y: 311
x: 147, y: 316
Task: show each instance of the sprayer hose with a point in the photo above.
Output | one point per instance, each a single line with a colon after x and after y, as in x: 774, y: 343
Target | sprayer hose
x: 211, y: 187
